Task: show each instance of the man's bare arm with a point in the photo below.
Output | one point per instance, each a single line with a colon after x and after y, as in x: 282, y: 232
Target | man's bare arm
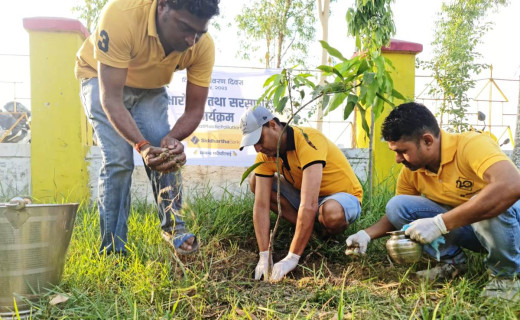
x: 111, y: 83
x: 380, y: 228
x: 502, y: 191
x: 311, y: 182
x: 196, y: 97
x: 261, y: 211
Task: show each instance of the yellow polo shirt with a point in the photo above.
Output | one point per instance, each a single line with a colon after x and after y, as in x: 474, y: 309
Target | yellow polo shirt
x: 464, y: 159
x: 126, y: 37
x: 337, y: 176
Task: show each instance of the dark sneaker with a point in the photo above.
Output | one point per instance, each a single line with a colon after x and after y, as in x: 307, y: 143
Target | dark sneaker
x: 442, y: 272
x: 502, y: 288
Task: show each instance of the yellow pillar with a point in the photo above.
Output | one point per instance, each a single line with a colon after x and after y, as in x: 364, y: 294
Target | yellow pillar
x: 59, y: 130
x: 402, y: 55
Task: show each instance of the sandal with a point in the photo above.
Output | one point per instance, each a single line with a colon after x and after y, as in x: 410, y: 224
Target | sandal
x: 177, y: 239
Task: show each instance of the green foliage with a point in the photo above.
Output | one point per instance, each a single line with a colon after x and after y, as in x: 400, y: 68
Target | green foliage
x: 459, y: 29
x: 355, y: 82
x: 363, y: 81
x: 372, y: 24
x: 249, y: 170
x: 89, y: 12
x: 285, y: 26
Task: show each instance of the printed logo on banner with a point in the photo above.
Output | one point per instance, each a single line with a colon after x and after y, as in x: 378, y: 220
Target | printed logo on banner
x: 217, y: 138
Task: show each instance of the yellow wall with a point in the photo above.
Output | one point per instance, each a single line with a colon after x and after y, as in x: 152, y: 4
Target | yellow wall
x: 385, y: 170
x: 59, y: 129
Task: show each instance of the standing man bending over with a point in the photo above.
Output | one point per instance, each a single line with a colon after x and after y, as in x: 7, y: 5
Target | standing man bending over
x: 124, y: 67
x: 317, y: 180
x: 461, y: 186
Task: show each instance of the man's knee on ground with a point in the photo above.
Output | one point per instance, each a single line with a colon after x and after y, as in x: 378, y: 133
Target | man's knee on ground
x: 332, y: 217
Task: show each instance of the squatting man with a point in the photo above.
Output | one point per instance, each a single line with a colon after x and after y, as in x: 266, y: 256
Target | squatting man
x: 316, y: 181
x: 459, y: 186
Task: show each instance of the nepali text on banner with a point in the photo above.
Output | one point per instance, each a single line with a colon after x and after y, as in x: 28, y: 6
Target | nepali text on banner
x: 216, y: 141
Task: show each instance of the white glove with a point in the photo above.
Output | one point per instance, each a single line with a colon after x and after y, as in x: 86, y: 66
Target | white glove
x: 284, y: 266
x: 262, y: 266
x: 357, y: 243
x: 426, y: 230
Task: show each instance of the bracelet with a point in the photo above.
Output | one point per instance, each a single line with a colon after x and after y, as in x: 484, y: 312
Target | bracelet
x: 140, y: 144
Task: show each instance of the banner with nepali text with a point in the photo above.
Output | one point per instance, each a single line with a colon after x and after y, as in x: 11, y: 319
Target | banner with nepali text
x: 216, y: 141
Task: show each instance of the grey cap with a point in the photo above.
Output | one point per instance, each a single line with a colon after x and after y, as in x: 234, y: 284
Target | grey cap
x: 251, y: 125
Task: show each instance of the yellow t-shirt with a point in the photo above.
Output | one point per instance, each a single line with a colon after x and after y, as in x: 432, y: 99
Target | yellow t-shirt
x: 126, y: 37
x: 464, y: 159
x: 337, y: 176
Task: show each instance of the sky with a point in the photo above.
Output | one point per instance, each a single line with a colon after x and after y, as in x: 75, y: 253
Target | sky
x: 414, y: 21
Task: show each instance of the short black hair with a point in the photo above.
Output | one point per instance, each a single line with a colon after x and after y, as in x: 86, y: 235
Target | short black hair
x: 204, y: 9
x: 275, y: 120
x: 409, y: 121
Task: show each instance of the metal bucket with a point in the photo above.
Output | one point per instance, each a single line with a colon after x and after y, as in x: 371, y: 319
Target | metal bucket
x: 33, y: 243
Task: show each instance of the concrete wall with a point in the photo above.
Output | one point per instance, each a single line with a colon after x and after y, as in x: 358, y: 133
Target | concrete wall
x: 15, y: 174
x: 15, y: 170
x: 195, y: 178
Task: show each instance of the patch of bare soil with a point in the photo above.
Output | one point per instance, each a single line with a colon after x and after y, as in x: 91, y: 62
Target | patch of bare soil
x: 317, y: 280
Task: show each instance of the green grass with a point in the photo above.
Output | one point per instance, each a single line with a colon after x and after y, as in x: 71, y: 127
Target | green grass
x: 217, y: 282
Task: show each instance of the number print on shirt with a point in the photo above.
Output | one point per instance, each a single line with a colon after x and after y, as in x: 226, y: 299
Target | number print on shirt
x: 103, y: 43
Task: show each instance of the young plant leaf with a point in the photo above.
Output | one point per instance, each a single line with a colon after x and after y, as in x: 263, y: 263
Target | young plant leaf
x: 249, y: 170
x: 351, y: 104
x: 281, y: 104
x: 277, y: 94
x: 336, y: 101
x: 398, y: 95
x: 364, y: 123
x: 332, y: 51
x: 380, y: 96
x: 326, y: 69
x: 336, y: 71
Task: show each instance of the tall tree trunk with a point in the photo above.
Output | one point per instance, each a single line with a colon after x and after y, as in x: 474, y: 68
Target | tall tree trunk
x: 279, y: 54
x: 89, y: 17
x: 281, y: 32
x: 323, y: 14
x: 267, y: 53
x: 516, y: 149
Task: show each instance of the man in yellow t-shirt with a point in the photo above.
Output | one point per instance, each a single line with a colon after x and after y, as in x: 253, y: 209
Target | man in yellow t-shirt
x: 124, y: 67
x: 316, y: 179
x: 459, y: 186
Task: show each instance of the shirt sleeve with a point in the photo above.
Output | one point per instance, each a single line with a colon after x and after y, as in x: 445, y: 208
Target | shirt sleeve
x: 480, y: 152
x: 311, y: 148
x: 266, y: 168
x: 113, y: 39
x: 199, y: 72
x: 405, y: 184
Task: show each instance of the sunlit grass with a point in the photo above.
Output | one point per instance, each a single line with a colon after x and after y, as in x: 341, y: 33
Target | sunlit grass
x: 217, y: 282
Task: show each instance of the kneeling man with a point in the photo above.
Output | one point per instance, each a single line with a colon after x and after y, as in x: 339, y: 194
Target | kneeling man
x: 316, y: 180
x: 460, y: 186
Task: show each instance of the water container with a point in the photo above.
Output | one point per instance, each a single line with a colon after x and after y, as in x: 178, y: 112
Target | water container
x: 33, y: 243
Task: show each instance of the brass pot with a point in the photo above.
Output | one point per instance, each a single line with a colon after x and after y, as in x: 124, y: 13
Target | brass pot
x: 402, y: 249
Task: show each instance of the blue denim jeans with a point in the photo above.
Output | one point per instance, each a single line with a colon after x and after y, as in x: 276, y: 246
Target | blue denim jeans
x: 350, y: 204
x: 499, y: 236
x: 149, y: 110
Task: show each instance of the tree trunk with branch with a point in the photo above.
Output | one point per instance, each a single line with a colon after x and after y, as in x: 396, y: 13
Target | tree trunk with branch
x: 281, y: 34
x: 323, y: 14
